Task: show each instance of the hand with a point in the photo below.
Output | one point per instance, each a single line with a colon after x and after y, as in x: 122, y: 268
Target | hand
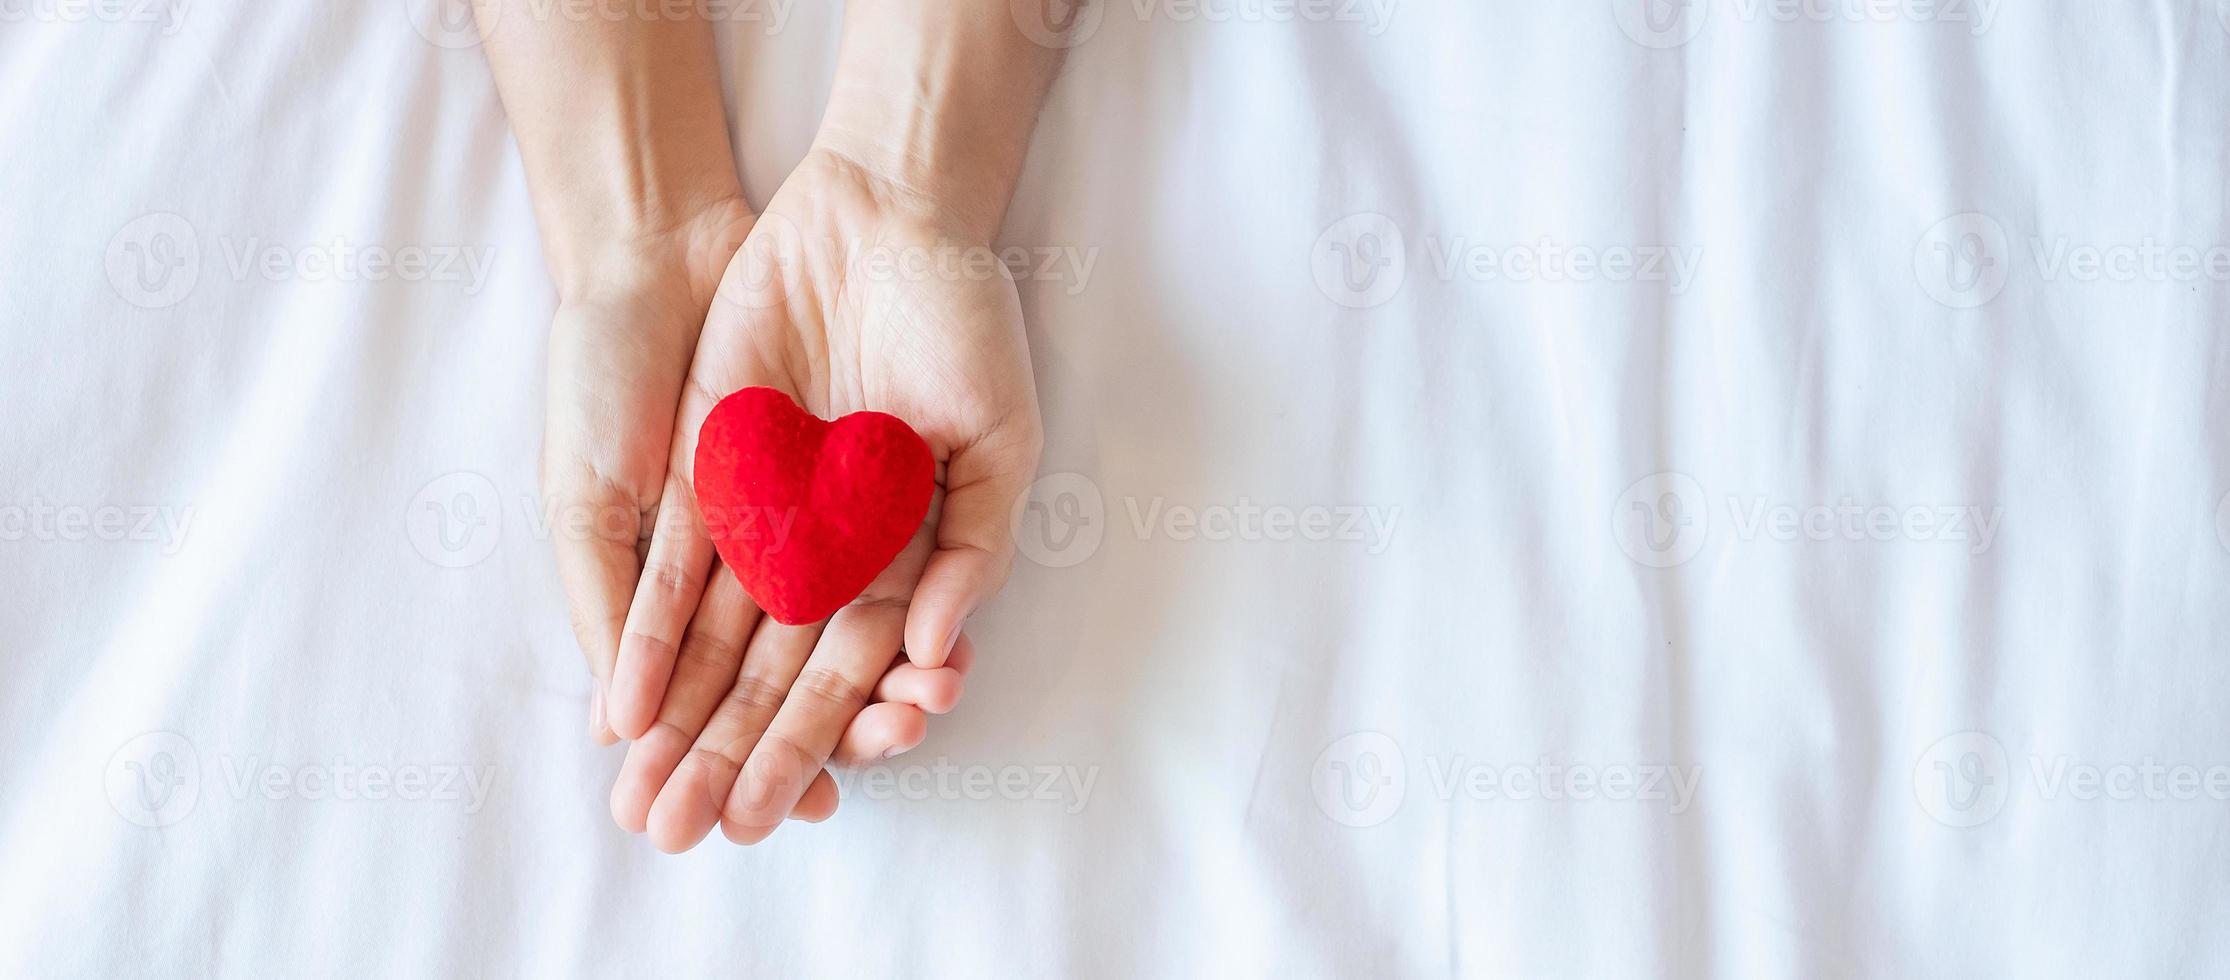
x: 620, y: 347
x: 851, y: 293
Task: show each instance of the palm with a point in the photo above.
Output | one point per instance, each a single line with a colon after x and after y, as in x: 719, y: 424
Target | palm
x: 868, y: 311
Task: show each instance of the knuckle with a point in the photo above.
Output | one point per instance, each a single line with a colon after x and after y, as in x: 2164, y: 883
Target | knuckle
x: 708, y: 761
x: 669, y: 577
x: 702, y: 651
x: 755, y: 696
x: 832, y: 687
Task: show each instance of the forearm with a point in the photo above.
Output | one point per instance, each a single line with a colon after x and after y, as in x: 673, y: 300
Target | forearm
x: 621, y: 127
x: 939, y: 97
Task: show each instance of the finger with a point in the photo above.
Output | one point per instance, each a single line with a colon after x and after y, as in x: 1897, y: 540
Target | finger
x: 963, y: 654
x: 831, y: 689
x: 704, y: 671
x: 672, y: 583
x: 975, y: 544
x: 933, y: 691
x: 690, y: 802
x: 819, y: 801
x: 596, y: 562
x: 881, y: 731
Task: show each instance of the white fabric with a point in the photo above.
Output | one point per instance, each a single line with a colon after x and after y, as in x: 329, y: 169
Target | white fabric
x: 1197, y: 671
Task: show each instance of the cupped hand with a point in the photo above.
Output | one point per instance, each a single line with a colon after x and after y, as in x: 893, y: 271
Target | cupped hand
x: 850, y: 293
x: 620, y: 348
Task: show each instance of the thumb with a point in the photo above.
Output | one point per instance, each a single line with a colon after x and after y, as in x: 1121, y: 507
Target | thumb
x: 975, y: 542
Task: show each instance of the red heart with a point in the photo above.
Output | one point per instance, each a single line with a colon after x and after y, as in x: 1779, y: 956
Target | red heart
x: 808, y: 512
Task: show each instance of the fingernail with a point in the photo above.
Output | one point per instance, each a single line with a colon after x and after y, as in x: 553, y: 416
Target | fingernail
x: 596, y: 723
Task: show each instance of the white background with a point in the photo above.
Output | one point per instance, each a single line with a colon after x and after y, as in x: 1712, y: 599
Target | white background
x: 1618, y: 511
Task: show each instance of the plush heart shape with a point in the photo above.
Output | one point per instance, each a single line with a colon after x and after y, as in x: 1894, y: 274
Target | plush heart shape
x: 808, y: 512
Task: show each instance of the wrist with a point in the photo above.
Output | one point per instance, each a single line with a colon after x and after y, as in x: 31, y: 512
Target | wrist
x: 936, y: 103
x: 623, y: 253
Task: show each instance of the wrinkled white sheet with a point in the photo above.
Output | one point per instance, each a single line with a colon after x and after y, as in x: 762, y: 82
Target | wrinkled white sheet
x: 1747, y: 497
